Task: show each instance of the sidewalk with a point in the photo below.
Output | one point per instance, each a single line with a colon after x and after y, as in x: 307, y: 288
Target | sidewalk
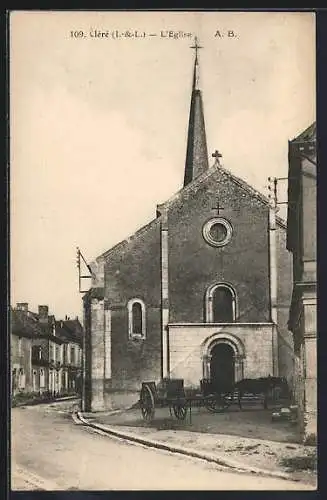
x: 210, y: 434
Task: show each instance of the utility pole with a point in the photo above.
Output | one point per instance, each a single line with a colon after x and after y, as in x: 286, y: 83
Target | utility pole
x: 272, y: 188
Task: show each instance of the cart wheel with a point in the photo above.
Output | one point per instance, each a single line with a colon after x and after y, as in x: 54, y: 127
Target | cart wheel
x: 217, y: 403
x: 147, y: 403
x: 180, y: 411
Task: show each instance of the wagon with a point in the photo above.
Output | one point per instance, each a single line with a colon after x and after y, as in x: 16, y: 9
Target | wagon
x: 171, y: 393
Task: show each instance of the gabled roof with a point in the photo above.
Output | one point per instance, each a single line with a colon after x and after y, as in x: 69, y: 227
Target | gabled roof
x: 186, y: 191
x: 69, y: 330
x: 192, y: 187
x: 124, y: 243
x: 308, y: 135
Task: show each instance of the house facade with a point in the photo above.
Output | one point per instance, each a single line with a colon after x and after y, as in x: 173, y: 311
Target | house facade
x: 301, y: 242
x: 70, y: 332
x: 22, y: 333
x: 199, y: 292
x: 45, y: 353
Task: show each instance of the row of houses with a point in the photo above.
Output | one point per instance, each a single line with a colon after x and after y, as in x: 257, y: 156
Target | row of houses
x: 46, y: 354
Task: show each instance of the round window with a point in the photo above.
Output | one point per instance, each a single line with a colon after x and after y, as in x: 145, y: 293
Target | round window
x: 217, y: 232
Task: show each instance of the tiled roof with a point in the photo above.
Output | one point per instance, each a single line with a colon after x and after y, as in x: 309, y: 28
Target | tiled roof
x: 69, y: 330
x: 120, y: 245
x: 24, y: 324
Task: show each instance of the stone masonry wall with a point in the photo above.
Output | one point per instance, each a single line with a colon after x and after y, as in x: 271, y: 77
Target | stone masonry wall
x: 194, y: 265
x: 186, y: 349
x: 134, y: 272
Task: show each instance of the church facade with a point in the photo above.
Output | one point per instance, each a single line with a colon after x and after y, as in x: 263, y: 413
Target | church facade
x: 202, y: 291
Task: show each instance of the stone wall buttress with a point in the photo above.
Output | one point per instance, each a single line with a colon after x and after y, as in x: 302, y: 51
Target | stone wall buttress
x: 98, y: 353
x: 107, y: 342
x: 164, y: 294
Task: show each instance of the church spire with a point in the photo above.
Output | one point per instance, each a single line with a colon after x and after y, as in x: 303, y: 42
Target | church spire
x: 196, y: 153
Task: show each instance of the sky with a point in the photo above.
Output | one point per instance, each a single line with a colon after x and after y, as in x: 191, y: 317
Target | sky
x: 98, y: 125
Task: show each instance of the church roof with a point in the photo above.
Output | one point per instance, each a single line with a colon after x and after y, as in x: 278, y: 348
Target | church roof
x: 186, y: 191
x: 237, y: 180
x: 125, y: 242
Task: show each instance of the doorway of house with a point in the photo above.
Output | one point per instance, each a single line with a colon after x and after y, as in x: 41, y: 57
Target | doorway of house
x: 222, y: 367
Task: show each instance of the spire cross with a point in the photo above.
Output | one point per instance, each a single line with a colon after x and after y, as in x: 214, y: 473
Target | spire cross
x: 218, y: 207
x: 196, y: 46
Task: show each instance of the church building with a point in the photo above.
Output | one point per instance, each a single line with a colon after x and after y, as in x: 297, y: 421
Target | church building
x: 202, y: 291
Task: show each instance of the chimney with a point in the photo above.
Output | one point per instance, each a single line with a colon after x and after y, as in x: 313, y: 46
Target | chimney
x: 22, y: 306
x: 43, y: 314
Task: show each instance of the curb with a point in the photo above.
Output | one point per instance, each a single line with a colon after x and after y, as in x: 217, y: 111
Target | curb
x: 52, y: 401
x: 231, y: 464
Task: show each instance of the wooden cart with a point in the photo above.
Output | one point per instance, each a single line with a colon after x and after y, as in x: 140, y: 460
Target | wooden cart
x: 171, y: 393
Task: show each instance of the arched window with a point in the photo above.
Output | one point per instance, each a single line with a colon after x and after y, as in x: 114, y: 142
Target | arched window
x: 42, y: 379
x: 136, y: 318
x: 220, y: 304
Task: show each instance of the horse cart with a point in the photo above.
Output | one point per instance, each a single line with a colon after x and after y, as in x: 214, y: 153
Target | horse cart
x: 171, y: 393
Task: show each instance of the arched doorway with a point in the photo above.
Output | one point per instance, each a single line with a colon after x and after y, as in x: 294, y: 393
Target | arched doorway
x: 222, y: 367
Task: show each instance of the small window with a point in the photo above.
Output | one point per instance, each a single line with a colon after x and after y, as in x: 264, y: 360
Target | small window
x: 34, y: 380
x: 42, y: 379
x: 19, y: 346
x: 52, y: 352
x: 21, y: 379
x: 72, y: 355
x: 136, y: 318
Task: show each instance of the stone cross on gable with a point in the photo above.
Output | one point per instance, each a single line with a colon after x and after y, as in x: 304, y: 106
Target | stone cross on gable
x: 217, y: 155
x: 218, y: 208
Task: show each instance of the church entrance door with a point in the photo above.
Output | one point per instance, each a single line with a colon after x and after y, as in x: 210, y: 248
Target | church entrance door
x: 222, y: 367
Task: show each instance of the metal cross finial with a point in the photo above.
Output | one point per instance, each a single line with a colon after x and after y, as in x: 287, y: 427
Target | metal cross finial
x: 218, y: 207
x: 196, y: 46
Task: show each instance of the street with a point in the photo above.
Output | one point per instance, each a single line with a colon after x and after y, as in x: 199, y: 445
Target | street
x: 50, y: 452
